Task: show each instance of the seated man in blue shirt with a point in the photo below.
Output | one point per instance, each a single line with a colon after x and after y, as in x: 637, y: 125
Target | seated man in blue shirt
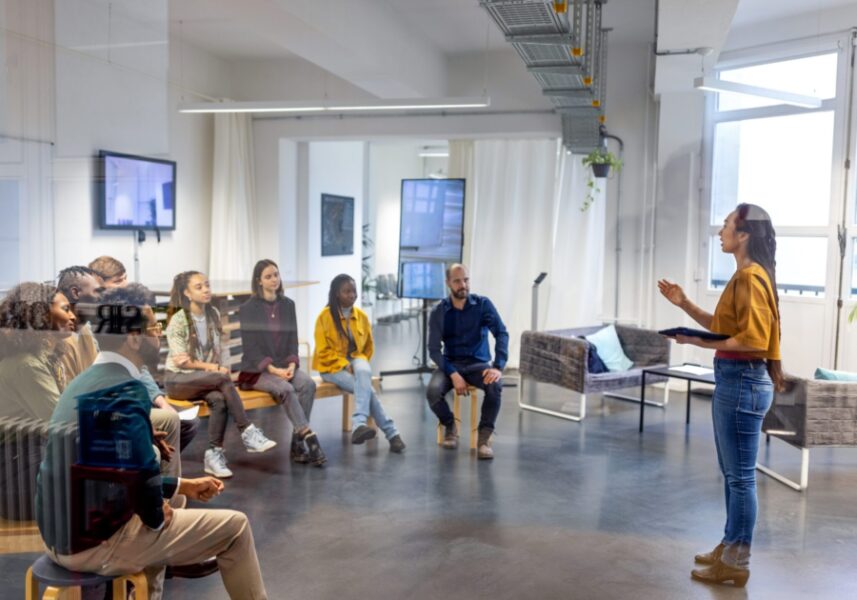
x: 155, y: 535
x: 461, y: 324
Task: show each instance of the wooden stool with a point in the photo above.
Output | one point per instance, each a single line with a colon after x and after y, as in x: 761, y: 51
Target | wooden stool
x: 57, y: 578
x: 456, y: 410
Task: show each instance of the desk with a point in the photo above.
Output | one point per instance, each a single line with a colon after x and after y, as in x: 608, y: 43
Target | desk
x: 674, y: 371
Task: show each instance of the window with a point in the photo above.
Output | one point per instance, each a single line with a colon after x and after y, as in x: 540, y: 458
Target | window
x: 780, y: 157
x: 801, y: 265
x: 779, y: 163
x: 810, y: 76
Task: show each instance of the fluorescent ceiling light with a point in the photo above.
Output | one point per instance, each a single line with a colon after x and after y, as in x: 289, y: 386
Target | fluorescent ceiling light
x: 316, y: 106
x: 710, y: 84
x: 433, y: 154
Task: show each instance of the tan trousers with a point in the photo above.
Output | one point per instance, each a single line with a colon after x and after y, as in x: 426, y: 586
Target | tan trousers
x: 192, y: 536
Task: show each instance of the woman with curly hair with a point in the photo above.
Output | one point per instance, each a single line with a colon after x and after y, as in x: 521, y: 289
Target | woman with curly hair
x: 35, y: 317
x: 197, y: 368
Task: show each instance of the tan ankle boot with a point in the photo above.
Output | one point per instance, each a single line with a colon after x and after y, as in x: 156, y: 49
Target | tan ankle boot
x: 483, y: 446
x: 720, y: 572
x: 709, y: 558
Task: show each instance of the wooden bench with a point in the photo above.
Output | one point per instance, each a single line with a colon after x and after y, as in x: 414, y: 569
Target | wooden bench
x: 253, y: 399
x: 17, y: 537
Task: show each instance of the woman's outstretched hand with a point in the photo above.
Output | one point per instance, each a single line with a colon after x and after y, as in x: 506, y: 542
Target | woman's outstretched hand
x: 672, y: 292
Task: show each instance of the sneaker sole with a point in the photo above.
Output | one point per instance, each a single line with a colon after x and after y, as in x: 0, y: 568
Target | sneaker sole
x: 363, y: 437
x: 218, y: 475
x: 262, y: 449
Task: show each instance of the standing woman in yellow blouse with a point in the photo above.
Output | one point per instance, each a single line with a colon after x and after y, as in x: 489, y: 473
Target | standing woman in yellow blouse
x: 747, y: 369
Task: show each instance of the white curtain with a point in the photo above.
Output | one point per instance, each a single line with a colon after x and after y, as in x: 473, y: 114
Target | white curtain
x: 233, y: 252
x: 461, y: 165
x: 527, y: 219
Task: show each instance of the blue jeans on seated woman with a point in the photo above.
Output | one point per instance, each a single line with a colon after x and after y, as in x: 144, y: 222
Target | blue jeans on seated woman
x: 742, y: 395
x: 366, y: 401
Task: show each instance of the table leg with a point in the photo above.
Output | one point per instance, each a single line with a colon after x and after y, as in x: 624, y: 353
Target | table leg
x: 687, y: 417
x: 642, y: 399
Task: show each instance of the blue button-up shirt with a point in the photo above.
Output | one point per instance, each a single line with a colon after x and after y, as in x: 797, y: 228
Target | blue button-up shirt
x: 464, y: 334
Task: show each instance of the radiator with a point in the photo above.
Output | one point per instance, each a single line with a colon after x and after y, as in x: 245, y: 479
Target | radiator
x: 22, y: 446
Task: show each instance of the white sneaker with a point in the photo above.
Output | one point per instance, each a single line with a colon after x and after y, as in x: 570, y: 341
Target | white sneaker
x: 255, y: 441
x: 215, y: 463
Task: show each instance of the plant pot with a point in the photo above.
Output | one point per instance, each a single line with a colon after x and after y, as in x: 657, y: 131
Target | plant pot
x: 601, y: 169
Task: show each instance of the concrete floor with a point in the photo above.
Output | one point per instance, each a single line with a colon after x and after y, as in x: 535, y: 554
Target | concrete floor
x: 566, y: 510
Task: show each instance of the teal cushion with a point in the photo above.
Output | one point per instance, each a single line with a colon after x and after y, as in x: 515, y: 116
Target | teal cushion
x: 835, y: 375
x: 606, y: 341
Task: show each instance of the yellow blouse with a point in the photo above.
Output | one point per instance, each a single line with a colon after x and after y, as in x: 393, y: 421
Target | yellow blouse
x: 747, y: 311
x: 331, y: 349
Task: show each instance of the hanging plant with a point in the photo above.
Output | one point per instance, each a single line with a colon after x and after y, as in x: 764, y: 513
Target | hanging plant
x: 599, y: 160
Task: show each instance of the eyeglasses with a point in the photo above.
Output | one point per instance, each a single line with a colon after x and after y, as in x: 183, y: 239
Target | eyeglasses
x: 157, y: 329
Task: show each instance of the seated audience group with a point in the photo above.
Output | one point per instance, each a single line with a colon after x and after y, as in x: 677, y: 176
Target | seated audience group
x: 93, y: 331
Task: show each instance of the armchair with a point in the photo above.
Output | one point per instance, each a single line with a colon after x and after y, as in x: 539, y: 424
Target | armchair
x: 561, y: 357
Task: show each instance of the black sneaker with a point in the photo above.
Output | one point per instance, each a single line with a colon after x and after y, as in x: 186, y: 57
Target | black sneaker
x: 316, y: 455
x: 396, y: 444
x: 362, y: 434
x: 298, y: 452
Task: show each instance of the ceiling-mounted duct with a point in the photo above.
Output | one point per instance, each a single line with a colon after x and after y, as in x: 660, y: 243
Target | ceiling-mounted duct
x: 564, y: 50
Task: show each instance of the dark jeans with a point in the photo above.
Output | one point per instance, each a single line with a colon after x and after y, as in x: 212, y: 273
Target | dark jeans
x: 440, y: 385
x: 742, y: 395
x: 188, y: 431
x: 219, y: 393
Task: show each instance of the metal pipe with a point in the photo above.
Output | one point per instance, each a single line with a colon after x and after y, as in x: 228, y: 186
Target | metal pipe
x: 605, y: 135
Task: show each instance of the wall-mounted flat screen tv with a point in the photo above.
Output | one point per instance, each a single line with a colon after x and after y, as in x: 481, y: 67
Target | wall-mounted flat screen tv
x: 136, y: 192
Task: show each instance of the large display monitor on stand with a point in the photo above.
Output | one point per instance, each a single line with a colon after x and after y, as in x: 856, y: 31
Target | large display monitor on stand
x: 431, y: 238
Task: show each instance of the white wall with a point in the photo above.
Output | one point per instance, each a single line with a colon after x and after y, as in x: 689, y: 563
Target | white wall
x: 180, y: 73
x: 337, y: 168
x: 389, y: 163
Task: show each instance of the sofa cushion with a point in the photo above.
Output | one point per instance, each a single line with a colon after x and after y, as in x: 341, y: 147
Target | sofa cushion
x: 594, y: 364
x: 606, y: 341
x: 830, y: 375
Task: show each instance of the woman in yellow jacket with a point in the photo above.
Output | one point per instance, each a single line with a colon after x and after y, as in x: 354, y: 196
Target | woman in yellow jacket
x: 747, y: 368
x: 343, y: 348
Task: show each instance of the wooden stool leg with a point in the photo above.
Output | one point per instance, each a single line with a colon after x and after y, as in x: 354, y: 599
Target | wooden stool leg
x: 474, y: 422
x: 32, y: 586
x: 439, y: 434
x: 346, y: 412
x: 456, y: 406
x: 141, y: 586
x: 53, y: 593
x: 120, y: 588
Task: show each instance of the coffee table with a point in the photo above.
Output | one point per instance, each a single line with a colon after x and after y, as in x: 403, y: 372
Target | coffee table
x: 689, y: 372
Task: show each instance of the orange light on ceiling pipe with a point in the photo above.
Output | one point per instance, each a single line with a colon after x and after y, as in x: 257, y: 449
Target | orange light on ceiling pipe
x: 560, y: 6
x: 587, y: 81
x: 596, y: 103
x: 577, y: 51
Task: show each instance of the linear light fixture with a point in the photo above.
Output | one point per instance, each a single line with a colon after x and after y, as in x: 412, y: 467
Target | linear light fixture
x: 317, y: 106
x: 433, y: 154
x: 710, y: 84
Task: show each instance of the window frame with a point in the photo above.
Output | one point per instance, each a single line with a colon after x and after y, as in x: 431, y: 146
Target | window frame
x: 837, y: 206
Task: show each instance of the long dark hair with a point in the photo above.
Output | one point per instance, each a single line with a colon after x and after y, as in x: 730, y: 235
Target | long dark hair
x: 256, y: 284
x: 333, y: 301
x: 762, y: 248
x: 181, y: 303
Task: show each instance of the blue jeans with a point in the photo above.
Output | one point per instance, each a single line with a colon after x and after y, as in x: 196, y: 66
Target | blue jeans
x: 365, y: 399
x: 742, y: 395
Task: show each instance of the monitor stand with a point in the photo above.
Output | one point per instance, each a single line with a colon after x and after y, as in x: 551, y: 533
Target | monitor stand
x: 423, y: 367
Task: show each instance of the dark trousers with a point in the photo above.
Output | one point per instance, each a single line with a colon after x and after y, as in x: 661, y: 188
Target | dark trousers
x: 440, y: 385
x: 219, y: 393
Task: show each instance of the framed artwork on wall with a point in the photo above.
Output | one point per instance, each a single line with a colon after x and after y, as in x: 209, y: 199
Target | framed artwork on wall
x: 337, y: 225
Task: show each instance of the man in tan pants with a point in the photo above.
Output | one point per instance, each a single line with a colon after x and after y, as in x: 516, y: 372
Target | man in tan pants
x: 156, y: 535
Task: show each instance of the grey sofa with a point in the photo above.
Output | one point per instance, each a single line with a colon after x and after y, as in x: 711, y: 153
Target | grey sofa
x: 812, y: 413
x: 560, y: 357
